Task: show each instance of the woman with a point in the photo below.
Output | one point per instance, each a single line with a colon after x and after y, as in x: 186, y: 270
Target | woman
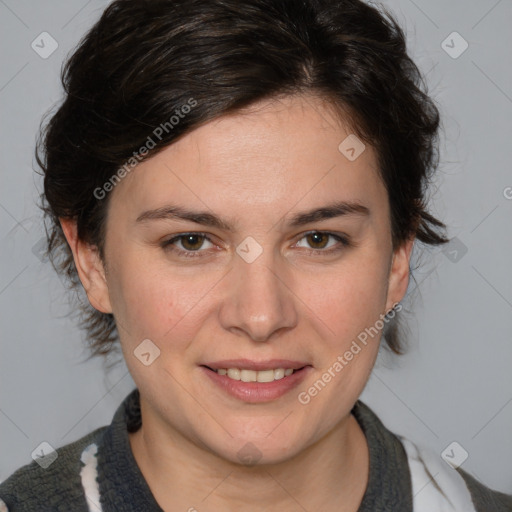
x: 238, y: 185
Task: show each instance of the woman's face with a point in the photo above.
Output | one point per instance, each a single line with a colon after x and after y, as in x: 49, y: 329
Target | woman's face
x: 290, y: 261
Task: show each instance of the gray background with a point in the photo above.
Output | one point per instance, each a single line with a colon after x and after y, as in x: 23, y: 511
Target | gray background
x: 455, y: 384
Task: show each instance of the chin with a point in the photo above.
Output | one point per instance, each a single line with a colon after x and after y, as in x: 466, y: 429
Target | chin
x: 246, y: 450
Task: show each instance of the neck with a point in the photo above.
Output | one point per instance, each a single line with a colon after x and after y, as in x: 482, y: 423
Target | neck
x: 330, y: 475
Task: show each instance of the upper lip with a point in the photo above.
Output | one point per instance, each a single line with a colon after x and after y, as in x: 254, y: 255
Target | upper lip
x: 247, y: 364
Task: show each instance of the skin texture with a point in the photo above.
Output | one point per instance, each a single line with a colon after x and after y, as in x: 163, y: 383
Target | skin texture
x: 255, y: 170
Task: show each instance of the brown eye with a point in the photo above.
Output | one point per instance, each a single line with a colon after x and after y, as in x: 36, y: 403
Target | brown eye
x: 317, y: 240
x: 188, y: 244
x: 192, y: 242
x: 324, y: 242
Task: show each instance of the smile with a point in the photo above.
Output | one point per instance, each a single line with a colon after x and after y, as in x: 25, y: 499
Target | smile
x: 256, y: 382
x: 255, y: 376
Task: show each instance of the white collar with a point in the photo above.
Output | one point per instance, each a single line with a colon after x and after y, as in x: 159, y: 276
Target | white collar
x: 436, y: 486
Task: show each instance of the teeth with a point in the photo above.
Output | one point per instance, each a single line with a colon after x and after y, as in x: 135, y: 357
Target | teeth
x: 254, y: 376
x: 234, y: 373
x: 247, y: 375
x: 279, y: 373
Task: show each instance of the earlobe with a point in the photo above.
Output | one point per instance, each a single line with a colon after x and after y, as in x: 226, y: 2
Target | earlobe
x: 89, y: 266
x: 399, y: 273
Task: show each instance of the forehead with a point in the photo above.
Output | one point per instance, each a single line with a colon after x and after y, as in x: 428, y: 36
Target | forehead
x: 273, y: 154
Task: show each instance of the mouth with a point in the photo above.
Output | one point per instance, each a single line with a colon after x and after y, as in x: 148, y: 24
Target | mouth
x: 253, y: 382
x: 246, y: 375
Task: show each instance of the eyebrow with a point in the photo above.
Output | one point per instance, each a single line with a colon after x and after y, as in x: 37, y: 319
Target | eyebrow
x: 171, y: 212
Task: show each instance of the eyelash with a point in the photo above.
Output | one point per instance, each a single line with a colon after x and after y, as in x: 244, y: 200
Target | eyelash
x: 168, y: 244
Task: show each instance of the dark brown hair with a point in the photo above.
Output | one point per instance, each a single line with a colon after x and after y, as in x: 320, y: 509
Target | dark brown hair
x: 143, y: 60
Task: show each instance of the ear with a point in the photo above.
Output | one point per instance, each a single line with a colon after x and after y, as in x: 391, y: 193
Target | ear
x: 399, y: 273
x: 89, y: 267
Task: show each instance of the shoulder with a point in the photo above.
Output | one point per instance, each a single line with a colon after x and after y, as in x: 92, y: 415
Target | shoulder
x: 440, y: 486
x: 485, y: 498
x: 53, y: 482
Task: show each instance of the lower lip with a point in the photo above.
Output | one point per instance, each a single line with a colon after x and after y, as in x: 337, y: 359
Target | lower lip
x: 256, y: 392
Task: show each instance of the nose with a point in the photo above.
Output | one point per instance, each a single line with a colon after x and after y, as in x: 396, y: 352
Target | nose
x: 258, y: 301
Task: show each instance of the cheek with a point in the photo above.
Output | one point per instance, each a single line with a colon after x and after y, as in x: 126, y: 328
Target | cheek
x: 150, y: 302
x: 347, y: 307
x: 348, y: 299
